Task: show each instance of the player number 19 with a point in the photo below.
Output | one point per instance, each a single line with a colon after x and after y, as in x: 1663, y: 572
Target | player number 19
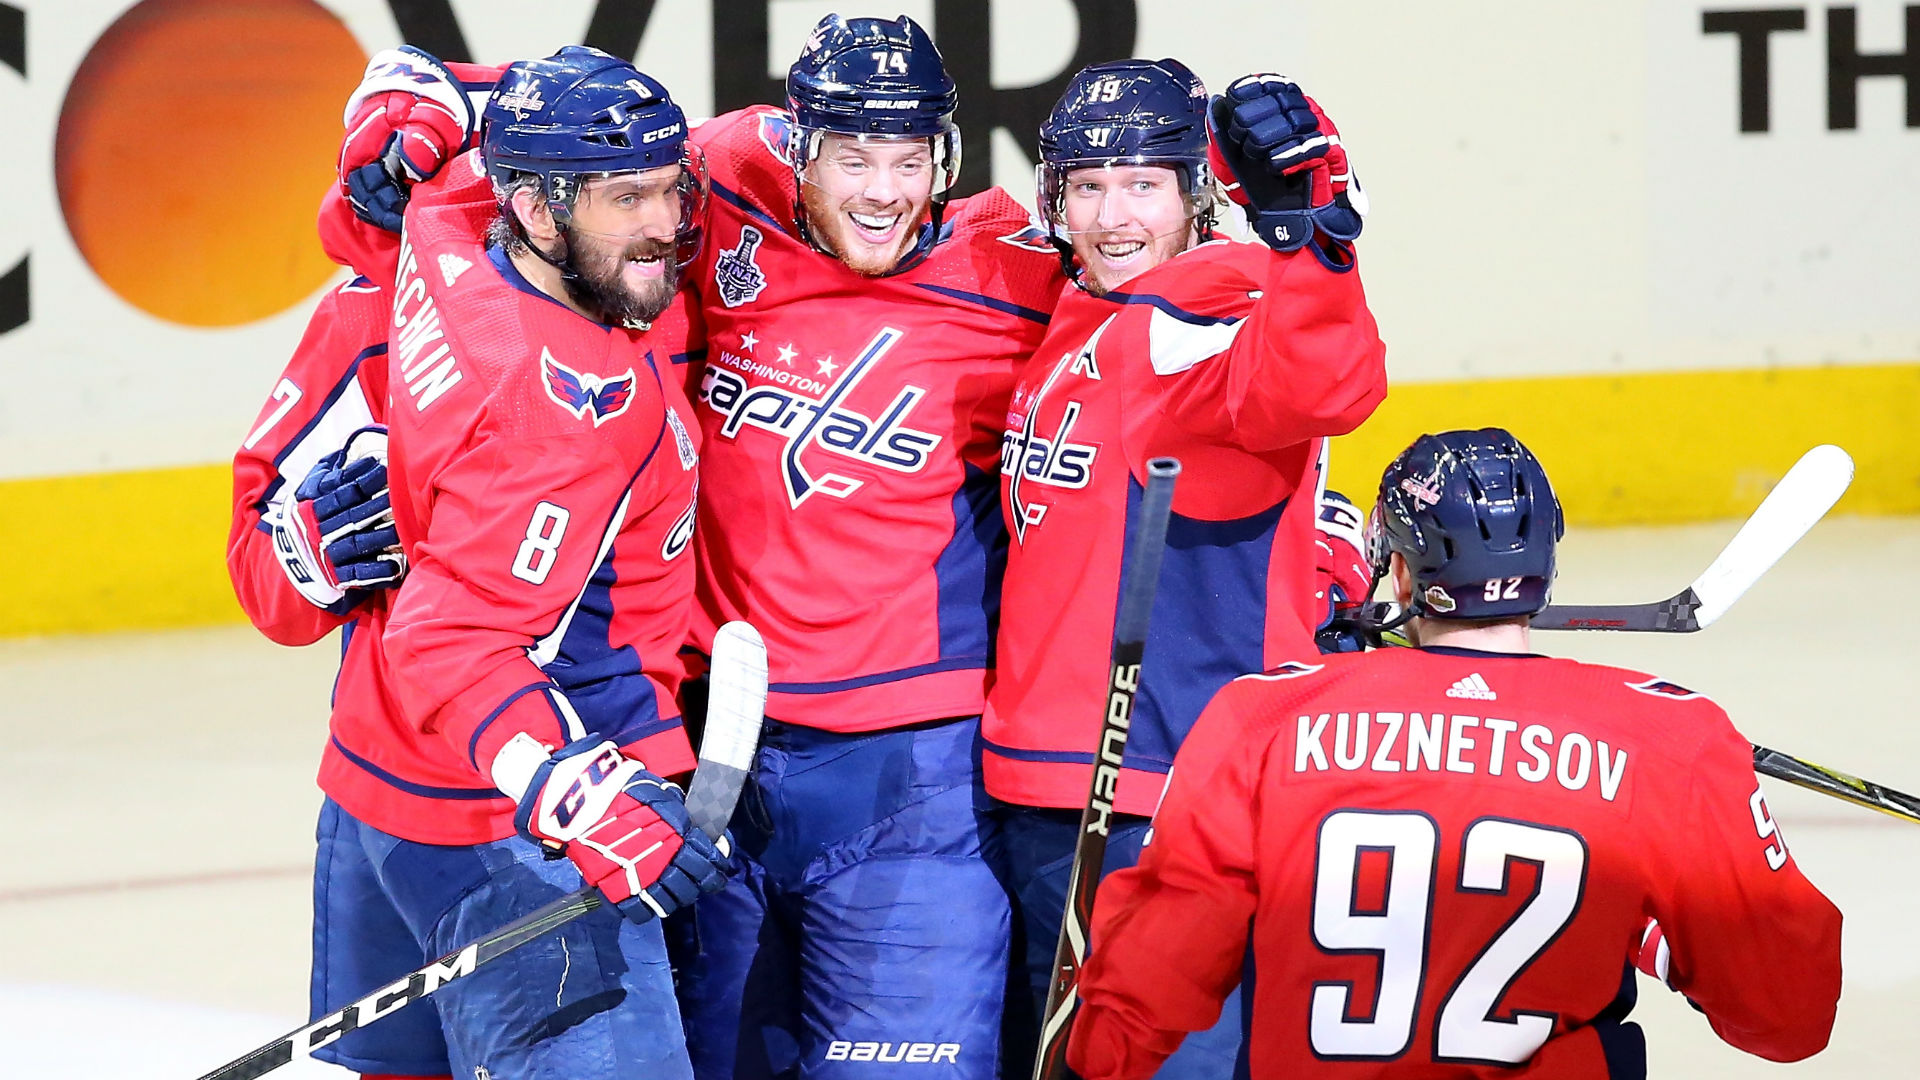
x: 541, y: 549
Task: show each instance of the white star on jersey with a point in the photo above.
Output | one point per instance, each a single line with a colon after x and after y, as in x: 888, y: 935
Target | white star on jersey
x: 827, y: 366
x: 748, y: 341
x: 787, y: 353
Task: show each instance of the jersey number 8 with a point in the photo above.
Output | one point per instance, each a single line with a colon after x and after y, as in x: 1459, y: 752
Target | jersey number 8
x: 1397, y: 934
x: 541, y: 549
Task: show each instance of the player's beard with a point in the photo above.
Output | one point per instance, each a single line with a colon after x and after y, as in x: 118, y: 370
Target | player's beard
x: 1099, y: 278
x: 596, y: 281
x: 832, y: 230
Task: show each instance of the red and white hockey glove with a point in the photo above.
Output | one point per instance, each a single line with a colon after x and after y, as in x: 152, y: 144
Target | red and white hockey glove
x: 625, y: 828
x: 1340, y: 549
x: 1343, y: 580
x: 334, y: 534
x: 1653, y: 958
x: 1280, y: 157
x: 409, y: 116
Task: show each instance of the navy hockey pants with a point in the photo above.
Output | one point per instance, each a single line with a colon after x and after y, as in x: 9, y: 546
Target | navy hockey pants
x: 864, y: 933
x: 1035, y: 852
x: 591, y: 1001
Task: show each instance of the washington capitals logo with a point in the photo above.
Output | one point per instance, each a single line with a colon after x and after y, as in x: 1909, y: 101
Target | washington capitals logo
x: 581, y: 394
x: 735, y: 272
x: 776, y: 134
x: 522, y: 99
x: 1054, y: 462
x: 1663, y: 688
x: 827, y: 426
x: 1031, y: 238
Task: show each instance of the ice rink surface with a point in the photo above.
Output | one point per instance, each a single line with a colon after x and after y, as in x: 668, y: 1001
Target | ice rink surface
x: 159, y: 794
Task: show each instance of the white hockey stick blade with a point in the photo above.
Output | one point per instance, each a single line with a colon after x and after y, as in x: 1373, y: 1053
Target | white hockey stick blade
x: 736, y: 703
x: 1800, y: 499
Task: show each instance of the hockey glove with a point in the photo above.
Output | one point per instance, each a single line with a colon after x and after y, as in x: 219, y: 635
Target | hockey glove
x: 408, y: 117
x: 625, y: 828
x: 335, y: 535
x: 1653, y: 958
x: 1343, y: 577
x: 1281, y: 159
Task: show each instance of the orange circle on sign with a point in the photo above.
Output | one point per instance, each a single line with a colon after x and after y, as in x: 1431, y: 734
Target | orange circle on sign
x: 193, y: 148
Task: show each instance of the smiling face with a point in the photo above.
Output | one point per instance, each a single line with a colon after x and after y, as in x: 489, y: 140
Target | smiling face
x: 1125, y: 220
x: 865, y: 200
x: 621, y: 242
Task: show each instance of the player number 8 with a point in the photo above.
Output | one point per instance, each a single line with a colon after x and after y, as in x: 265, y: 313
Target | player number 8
x: 541, y: 549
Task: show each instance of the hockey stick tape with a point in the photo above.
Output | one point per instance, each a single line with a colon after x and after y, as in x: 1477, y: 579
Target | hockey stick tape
x: 737, y: 697
x: 1796, y: 503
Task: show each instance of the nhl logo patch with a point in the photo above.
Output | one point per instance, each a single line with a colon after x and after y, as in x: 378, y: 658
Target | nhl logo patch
x: 736, y: 273
x: 689, y: 457
x: 586, y: 395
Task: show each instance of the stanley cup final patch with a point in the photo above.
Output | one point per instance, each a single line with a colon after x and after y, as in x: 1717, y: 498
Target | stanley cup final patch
x: 736, y: 272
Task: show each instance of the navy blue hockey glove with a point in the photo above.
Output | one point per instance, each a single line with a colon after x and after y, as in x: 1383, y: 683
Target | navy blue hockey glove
x: 626, y: 829
x: 1281, y: 159
x: 335, y: 535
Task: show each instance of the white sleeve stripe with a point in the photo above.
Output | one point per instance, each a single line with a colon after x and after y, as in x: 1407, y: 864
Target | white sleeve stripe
x: 1175, y: 345
x: 326, y: 433
x: 544, y: 649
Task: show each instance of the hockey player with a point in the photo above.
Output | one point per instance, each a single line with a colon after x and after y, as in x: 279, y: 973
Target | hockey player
x: 1240, y: 359
x: 864, y: 332
x: 543, y: 483
x: 1438, y: 860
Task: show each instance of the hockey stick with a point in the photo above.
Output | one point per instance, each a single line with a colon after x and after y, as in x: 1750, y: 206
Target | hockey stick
x: 1837, y: 784
x: 1142, y: 578
x: 1801, y: 498
x: 726, y: 756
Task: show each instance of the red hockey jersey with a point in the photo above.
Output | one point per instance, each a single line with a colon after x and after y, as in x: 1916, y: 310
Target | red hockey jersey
x: 542, y: 470
x: 851, y: 508
x: 1238, y: 361
x: 335, y: 384
x: 1441, y: 857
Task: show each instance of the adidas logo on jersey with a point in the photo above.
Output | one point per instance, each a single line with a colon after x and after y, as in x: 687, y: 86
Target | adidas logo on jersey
x: 1473, y: 686
x: 451, y: 267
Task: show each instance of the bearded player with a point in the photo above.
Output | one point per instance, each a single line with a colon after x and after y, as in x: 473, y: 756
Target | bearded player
x: 1240, y: 359
x: 520, y: 708
x: 1439, y: 860
x: 863, y: 333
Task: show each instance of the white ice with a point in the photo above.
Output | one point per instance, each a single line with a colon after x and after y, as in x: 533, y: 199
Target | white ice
x: 159, y: 794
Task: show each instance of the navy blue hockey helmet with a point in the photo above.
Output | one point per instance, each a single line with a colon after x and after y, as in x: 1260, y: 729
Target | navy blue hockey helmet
x: 582, y: 113
x: 874, y: 78
x: 1475, y: 519
x: 1128, y: 112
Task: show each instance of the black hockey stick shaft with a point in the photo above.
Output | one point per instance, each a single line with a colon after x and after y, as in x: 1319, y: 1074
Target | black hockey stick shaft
x: 1832, y: 782
x: 1142, y: 577
x: 726, y: 753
